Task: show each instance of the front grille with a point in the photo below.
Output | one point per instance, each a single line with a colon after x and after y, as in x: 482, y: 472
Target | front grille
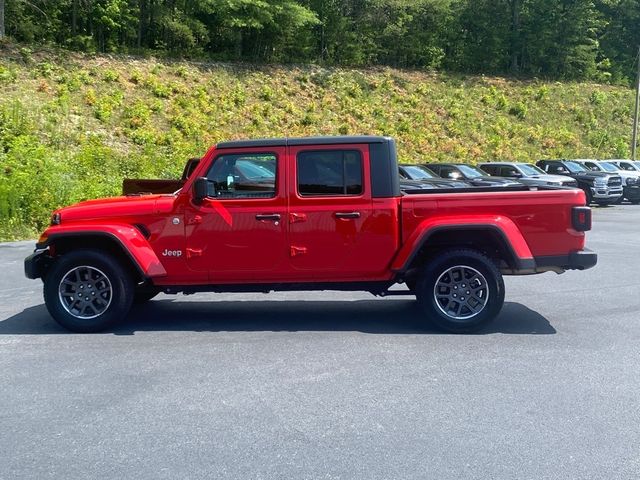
x: 570, y: 183
x: 615, y: 181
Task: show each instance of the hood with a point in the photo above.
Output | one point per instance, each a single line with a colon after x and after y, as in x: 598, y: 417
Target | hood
x: 414, y: 185
x: 111, y: 207
x: 488, y: 181
x: 444, y: 183
x: 592, y: 174
x: 627, y: 174
x: 546, y: 178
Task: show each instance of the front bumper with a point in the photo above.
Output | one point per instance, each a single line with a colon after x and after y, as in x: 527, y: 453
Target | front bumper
x: 606, y: 194
x: 578, y: 260
x: 36, y: 264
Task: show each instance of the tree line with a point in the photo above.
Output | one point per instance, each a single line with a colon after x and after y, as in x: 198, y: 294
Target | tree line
x: 564, y: 39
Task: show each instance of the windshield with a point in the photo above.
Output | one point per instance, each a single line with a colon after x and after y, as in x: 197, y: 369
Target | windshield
x: 471, y: 172
x: 416, y: 172
x: 574, y: 167
x: 608, y: 167
x: 529, y: 169
x: 636, y: 163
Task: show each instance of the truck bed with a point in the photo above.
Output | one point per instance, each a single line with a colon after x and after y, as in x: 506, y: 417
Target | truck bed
x: 542, y: 214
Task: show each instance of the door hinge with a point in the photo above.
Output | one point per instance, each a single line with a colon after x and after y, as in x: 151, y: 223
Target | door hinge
x: 194, y: 252
x: 295, y: 251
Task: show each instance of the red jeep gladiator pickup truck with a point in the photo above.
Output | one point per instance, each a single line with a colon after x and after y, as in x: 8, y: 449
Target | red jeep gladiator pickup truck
x: 321, y: 213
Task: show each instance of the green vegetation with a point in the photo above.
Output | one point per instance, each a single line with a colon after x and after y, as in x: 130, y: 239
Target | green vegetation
x: 560, y: 39
x: 73, y: 126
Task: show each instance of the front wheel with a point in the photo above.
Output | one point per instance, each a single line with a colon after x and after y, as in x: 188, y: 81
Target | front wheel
x: 144, y: 294
x: 87, y: 291
x: 461, y: 290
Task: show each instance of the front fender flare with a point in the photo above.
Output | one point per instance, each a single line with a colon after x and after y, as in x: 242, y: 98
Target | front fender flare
x: 129, y: 238
x: 503, y: 226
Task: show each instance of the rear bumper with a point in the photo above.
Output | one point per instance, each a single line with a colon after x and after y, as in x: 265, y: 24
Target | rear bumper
x: 36, y: 263
x: 578, y: 260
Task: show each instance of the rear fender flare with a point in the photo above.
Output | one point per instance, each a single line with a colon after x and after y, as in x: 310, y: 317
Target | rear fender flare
x: 504, y: 227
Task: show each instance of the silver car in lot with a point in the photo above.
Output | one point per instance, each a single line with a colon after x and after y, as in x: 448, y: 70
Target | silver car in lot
x: 630, y: 179
x: 527, y: 174
x: 627, y: 165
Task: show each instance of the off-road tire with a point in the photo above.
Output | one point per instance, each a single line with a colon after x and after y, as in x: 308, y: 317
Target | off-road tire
x: 457, y: 263
x: 119, y: 282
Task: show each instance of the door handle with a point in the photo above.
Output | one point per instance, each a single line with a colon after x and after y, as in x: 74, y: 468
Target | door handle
x: 347, y: 214
x: 269, y: 216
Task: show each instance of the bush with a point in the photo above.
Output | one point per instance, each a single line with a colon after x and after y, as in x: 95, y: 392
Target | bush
x: 519, y: 110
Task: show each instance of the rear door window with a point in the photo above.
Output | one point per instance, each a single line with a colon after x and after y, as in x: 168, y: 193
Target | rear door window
x: 329, y: 172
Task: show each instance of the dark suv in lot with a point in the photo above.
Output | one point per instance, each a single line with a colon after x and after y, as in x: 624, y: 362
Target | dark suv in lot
x: 470, y: 174
x: 427, y: 178
x: 526, y: 173
x: 602, y: 188
x: 630, y: 180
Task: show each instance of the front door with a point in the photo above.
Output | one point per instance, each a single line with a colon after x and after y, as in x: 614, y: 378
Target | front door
x: 243, y: 228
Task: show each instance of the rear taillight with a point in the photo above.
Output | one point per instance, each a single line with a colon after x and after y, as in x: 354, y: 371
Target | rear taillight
x: 581, y: 219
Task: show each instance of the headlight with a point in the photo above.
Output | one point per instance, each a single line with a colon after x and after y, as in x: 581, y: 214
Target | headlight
x: 600, y: 182
x: 631, y: 181
x: 56, y: 219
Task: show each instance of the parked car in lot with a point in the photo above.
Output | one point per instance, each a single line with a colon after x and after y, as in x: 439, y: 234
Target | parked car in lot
x: 630, y: 180
x: 526, y: 173
x: 320, y: 213
x: 410, y: 185
x: 470, y: 174
x: 602, y: 188
x: 628, y: 165
x: 422, y: 174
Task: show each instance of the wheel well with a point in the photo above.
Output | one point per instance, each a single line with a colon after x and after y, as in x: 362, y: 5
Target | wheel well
x: 488, y: 241
x: 101, y: 243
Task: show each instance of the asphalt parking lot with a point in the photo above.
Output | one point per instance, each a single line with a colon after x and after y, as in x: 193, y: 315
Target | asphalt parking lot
x: 332, y: 385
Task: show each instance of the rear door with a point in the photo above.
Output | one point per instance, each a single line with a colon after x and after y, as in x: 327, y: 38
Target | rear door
x: 330, y: 212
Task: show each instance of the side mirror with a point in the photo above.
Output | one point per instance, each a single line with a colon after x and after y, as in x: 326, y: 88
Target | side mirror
x: 203, y: 188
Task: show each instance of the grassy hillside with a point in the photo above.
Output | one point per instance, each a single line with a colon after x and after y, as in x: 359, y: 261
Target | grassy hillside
x: 71, y: 126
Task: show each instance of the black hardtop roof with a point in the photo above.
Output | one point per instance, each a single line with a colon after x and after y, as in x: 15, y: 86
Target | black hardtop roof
x: 283, y: 142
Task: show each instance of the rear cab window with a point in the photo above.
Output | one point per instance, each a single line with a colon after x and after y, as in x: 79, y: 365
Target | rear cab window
x: 329, y: 173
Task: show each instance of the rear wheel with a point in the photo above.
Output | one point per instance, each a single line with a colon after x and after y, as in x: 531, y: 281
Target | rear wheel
x: 87, y: 291
x: 461, y: 291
